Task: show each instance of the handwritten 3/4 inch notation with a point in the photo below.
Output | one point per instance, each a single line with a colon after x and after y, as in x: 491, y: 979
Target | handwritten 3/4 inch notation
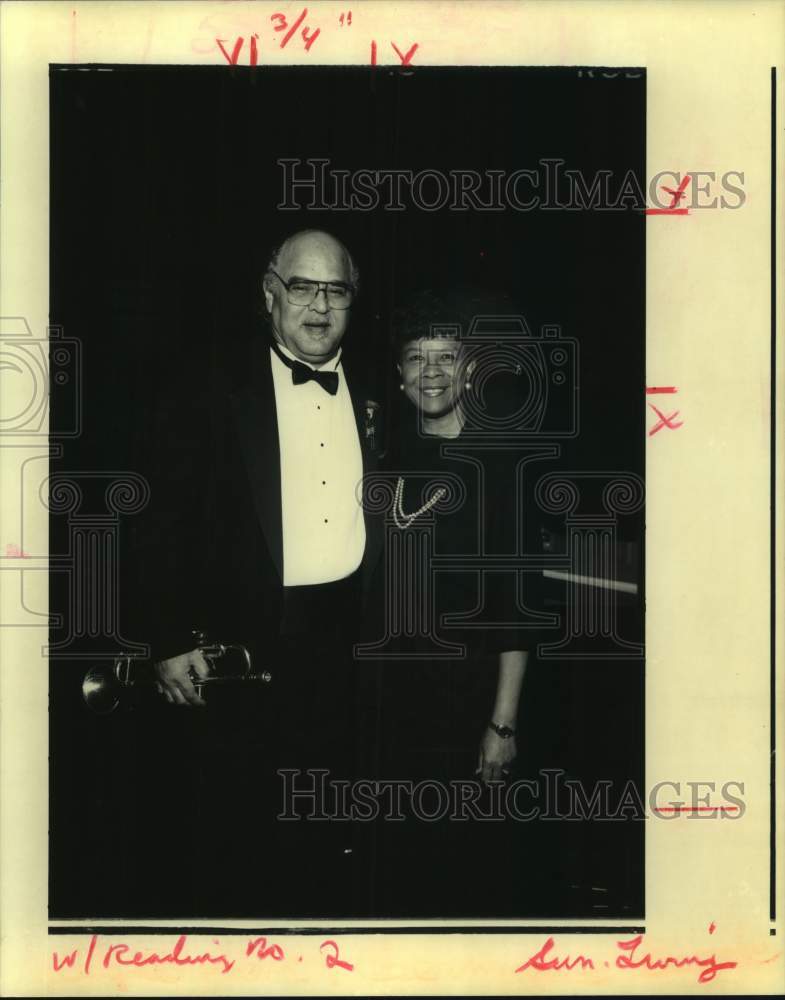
x: 302, y: 29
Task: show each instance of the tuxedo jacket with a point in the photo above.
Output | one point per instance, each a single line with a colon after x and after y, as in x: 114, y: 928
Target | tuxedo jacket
x: 209, y: 549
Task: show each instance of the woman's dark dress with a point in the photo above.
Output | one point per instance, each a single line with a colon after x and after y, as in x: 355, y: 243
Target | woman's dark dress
x: 433, y: 712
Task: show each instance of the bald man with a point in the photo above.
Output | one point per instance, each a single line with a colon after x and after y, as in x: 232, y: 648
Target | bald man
x: 270, y: 558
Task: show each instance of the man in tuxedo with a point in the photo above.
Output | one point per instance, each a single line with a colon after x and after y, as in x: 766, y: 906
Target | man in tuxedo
x: 298, y: 430
x: 262, y: 544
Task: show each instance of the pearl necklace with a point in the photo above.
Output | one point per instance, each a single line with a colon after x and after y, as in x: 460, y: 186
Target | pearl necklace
x: 405, y: 520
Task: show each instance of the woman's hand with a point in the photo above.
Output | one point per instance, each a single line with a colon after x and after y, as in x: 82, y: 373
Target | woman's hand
x: 496, y: 756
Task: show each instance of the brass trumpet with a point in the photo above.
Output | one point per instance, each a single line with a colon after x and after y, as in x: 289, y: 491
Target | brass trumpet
x: 107, y: 686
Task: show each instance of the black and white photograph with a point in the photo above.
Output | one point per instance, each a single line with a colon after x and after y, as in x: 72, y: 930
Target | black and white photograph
x: 349, y: 504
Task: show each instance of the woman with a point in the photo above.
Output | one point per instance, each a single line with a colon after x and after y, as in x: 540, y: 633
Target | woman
x: 455, y: 653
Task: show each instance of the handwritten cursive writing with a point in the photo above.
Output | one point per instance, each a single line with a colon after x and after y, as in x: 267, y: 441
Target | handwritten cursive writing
x: 541, y: 963
x: 264, y: 950
x: 632, y: 956
x: 121, y: 955
x: 630, y: 960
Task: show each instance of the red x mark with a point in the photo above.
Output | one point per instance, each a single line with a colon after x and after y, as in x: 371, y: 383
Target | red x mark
x: 676, y: 196
x: 664, y: 421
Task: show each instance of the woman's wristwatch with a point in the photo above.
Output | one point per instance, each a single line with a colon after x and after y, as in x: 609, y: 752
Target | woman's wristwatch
x: 504, y: 731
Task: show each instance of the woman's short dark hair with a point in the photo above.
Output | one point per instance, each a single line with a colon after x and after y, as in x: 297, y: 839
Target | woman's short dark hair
x: 427, y: 314
x: 431, y: 313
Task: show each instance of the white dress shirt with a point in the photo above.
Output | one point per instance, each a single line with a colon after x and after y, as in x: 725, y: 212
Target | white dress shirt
x: 321, y: 467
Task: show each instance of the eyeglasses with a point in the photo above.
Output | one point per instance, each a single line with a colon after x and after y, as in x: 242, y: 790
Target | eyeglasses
x: 302, y: 291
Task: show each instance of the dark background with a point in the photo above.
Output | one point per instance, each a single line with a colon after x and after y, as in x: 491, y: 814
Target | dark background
x: 164, y: 186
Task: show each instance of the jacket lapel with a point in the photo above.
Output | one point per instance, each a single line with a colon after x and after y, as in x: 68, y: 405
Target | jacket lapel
x: 256, y: 422
x: 367, y: 415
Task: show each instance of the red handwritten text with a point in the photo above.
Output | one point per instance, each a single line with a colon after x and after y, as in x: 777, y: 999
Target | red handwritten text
x: 309, y: 36
x: 676, y: 195
x: 113, y: 954
x: 60, y: 963
x: 542, y: 963
x: 631, y: 960
x: 631, y: 956
x: 331, y: 959
x: 121, y: 954
x: 235, y: 54
x: 263, y: 950
x: 670, y: 421
x: 404, y: 58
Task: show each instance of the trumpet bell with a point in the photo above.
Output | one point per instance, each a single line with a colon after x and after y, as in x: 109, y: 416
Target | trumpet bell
x: 102, y: 688
x: 108, y: 686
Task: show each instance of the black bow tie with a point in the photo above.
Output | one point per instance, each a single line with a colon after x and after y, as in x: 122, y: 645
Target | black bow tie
x: 302, y: 373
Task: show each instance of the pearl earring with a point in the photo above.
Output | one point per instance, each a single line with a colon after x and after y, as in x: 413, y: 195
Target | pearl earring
x: 401, y: 386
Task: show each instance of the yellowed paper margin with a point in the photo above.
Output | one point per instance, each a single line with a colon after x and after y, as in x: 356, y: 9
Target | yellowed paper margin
x: 708, y: 540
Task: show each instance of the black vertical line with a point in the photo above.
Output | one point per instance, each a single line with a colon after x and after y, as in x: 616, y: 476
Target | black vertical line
x: 772, y: 507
